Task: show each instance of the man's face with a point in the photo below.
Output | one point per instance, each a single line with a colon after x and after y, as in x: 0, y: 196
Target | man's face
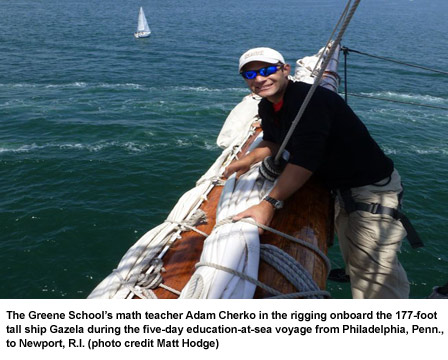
x: 272, y: 86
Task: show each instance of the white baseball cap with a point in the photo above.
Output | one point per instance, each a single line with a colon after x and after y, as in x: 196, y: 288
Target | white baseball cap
x: 263, y: 54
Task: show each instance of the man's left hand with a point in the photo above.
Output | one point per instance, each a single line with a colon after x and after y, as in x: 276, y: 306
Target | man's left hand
x: 262, y: 213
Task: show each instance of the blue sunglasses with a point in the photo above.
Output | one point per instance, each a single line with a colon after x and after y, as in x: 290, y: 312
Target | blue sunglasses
x: 266, y: 71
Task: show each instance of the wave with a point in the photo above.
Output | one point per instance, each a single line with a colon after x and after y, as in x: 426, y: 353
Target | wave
x: 126, y: 86
x: 129, y: 146
x: 27, y: 148
x: 414, y: 150
x: 206, y: 89
x: 13, y: 102
x: 19, y: 85
x: 78, y: 85
x: 407, y: 97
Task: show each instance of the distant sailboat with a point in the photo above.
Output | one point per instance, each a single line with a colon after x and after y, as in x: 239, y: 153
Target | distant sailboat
x: 143, y: 29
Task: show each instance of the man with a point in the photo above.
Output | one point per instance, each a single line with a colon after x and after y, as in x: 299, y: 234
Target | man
x: 331, y: 142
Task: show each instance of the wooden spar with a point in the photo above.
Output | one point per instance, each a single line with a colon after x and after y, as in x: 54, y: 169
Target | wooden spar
x: 181, y: 258
x: 308, y: 215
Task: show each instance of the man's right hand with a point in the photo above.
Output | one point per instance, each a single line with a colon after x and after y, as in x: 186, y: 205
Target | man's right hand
x: 265, y: 148
x: 240, y: 167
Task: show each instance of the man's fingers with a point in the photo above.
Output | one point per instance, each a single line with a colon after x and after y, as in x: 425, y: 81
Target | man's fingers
x: 237, y: 217
x: 241, y: 172
x: 246, y: 214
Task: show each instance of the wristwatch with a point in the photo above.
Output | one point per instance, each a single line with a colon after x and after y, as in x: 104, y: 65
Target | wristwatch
x: 277, y: 204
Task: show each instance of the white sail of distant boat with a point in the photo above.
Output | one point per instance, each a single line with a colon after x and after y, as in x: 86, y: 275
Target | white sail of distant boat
x: 143, y: 29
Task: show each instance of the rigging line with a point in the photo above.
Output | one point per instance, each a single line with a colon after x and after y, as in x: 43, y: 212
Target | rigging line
x: 398, y: 101
x: 344, y: 50
x: 342, y: 18
x: 395, y: 61
x: 316, y: 82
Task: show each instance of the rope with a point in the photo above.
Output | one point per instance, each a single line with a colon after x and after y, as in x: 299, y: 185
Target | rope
x: 153, y: 279
x: 308, y: 245
x: 344, y: 14
x: 317, y: 80
x: 196, y: 218
x: 147, y: 282
x: 185, y: 225
x: 277, y: 294
x: 135, y: 291
x: 215, y: 180
x: 345, y: 75
x: 196, y: 287
x: 174, y: 291
x: 148, y: 294
x: 241, y: 275
x: 345, y: 49
x: 303, y: 294
x: 289, y: 267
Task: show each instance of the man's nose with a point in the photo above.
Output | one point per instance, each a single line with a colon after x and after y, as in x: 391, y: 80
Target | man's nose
x: 260, y: 78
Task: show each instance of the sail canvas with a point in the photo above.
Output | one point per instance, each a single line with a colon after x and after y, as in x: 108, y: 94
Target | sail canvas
x: 142, y: 22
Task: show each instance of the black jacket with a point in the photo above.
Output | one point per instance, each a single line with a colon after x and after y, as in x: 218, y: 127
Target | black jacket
x: 330, y: 140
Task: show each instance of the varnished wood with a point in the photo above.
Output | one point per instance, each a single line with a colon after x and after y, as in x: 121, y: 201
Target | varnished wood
x: 180, y: 260
x: 306, y: 215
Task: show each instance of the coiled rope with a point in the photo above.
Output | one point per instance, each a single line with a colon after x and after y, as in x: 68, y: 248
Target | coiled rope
x: 291, y: 238
x: 277, y: 294
x: 293, y: 271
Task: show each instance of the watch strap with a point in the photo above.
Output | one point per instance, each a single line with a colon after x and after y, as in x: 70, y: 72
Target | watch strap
x: 277, y: 204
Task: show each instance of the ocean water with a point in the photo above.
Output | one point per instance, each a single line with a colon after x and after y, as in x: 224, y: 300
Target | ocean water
x: 100, y: 133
